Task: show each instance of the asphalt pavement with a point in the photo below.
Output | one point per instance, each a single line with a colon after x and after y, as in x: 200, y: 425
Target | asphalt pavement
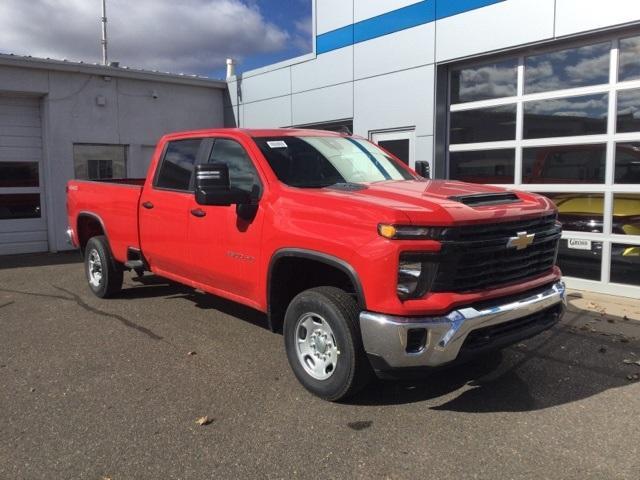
x: 97, y: 389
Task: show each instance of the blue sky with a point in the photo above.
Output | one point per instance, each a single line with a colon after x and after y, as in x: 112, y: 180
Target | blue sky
x: 177, y: 36
x: 290, y: 16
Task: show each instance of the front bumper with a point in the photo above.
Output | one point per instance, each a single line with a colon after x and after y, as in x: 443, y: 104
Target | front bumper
x: 407, y: 342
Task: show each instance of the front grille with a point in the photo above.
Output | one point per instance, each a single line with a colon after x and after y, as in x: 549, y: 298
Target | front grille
x: 476, y: 257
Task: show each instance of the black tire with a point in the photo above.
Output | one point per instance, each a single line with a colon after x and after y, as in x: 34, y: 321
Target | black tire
x: 110, y: 281
x: 339, y: 310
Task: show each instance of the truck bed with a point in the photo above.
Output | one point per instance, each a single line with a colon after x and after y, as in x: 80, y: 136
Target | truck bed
x: 114, y: 203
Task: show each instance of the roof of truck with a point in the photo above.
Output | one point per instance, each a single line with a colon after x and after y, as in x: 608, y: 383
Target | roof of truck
x: 256, y: 132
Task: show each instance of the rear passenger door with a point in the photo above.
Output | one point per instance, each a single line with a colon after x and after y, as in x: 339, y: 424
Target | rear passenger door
x: 164, y: 209
x: 225, y: 240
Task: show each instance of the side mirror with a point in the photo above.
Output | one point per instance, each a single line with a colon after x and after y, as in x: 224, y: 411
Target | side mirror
x: 423, y: 169
x: 214, y: 188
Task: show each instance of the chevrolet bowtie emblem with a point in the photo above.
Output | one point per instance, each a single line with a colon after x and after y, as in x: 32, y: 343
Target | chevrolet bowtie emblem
x: 521, y: 241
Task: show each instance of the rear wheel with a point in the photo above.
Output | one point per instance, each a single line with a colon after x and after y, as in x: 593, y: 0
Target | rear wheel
x: 104, y: 274
x: 323, y: 343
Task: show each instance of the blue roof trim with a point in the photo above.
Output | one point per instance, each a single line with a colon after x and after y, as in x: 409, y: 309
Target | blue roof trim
x: 342, y: 37
x: 410, y: 16
x: 394, y: 21
x: 449, y: 8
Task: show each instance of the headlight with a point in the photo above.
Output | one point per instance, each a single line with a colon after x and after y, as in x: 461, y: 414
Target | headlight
x: 409, y: 232
x: 415, y: 275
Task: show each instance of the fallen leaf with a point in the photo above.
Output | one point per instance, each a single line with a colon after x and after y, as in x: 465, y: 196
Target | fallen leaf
x: 521, y: 345
x: 204, y: 420
x: 191, y: 353
x: 630, y: 361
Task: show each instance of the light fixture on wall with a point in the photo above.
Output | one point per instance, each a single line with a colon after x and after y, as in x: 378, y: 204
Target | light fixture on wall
x: 101, y: 101
x: 154, y: 94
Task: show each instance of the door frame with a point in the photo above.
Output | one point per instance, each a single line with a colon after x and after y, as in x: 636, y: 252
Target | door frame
x: 405, y: 133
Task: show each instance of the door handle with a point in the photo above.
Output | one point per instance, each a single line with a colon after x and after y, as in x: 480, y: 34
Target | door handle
x: 147, y: 205
x: 198, y: 212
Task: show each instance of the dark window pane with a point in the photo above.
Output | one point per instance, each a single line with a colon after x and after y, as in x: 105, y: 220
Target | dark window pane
x: 626, y: 214
x: 629, y: 59
x: 625, y: 263
x: 484, y: 125
x: 242, y: 173
x: 481, y: 82
x: 177, y: 165
x: 488, y: 166
x: 19, y: 205
x: 19, y: 174
x: 100, y: 169
x: 564, y: 164
x: 580, y: 258
x: 628, y: 111
x: 399, y: 148
x: 562, y: 117
x: 571, y: 68
x: 579, y: 212
x: 627, y: 163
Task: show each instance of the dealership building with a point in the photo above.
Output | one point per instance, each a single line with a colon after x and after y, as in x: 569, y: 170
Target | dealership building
x: 537, y: 95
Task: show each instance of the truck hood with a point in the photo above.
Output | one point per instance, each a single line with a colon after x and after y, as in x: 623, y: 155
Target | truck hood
x: 433, y: 202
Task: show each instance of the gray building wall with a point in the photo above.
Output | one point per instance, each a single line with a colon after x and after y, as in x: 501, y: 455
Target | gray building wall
x: 138, y: 109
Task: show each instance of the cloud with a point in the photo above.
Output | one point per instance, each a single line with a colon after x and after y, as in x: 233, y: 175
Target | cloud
x: 190, y: 36
x: 302, y: 38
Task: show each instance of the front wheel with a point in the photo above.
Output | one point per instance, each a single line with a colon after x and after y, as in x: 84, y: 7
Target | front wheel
x: 323, y: 343
x: 103, y: 272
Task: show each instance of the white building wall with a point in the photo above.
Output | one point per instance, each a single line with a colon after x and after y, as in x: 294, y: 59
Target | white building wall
x: 389, y: 82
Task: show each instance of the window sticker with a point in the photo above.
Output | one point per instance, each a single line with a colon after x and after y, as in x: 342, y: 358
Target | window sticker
x: 277, y: 144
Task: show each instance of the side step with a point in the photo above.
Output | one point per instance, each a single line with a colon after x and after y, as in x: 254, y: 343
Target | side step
x: 135, y: 260
x: 134, y: 264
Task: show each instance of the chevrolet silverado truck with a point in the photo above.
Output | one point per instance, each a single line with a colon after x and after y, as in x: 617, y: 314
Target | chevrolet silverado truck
x: 364, y: 266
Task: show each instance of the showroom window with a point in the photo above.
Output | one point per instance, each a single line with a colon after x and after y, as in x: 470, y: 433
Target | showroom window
x: 562, y: 121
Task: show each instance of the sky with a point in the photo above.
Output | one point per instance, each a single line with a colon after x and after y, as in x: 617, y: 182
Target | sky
x: 177, y: 36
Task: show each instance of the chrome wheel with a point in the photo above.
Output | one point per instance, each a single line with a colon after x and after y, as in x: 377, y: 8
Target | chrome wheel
x: 94, y: 268
x: 317, y: 349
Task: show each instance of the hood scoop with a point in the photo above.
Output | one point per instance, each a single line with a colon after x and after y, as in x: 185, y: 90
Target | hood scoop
x: 484, y: 199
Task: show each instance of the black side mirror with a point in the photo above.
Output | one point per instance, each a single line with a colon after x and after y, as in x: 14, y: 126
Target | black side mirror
x: 214, y: 188
x: 423, y: 169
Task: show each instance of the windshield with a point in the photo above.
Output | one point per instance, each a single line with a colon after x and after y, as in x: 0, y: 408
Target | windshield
x: 315, y: 162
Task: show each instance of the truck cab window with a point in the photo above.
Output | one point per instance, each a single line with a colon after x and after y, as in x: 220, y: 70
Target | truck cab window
x: 178, y: 163
x: 242, y: 172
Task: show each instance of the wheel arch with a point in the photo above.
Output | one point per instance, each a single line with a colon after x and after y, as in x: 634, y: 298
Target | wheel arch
x: 89, y: 224
x: 330, y: 263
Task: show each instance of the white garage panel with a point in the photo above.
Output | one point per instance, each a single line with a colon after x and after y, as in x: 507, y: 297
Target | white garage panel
x: 22, y: 215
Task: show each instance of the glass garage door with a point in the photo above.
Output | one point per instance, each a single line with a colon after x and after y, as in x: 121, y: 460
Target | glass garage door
x: 565, y: 122
x: 22, y: 222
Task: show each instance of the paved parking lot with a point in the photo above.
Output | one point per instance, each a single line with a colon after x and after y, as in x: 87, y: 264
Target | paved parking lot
x: 95, y: 388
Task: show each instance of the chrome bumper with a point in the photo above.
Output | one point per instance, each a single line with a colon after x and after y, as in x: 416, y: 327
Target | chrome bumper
x: 386, y: 336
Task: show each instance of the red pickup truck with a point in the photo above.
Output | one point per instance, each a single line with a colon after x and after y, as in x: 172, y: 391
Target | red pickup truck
x: 364, y: 266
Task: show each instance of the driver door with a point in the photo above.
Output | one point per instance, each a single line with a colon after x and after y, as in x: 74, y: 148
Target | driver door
x: 225, y: 240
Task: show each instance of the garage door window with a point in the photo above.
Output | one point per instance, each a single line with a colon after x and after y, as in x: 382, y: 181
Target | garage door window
x: 563, y: 122
x: 19, y: 174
